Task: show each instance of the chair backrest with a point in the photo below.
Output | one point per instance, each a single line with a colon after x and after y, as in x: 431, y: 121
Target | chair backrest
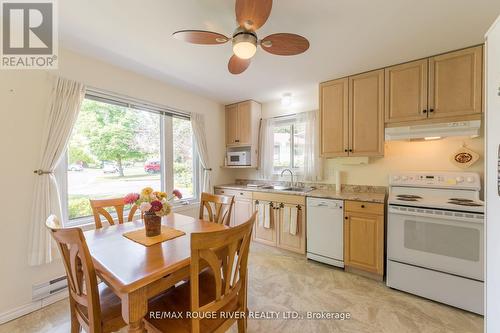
x: 98, y: 209
x: 80, y: 271
x: 218, y: 207
x: 226, y: 253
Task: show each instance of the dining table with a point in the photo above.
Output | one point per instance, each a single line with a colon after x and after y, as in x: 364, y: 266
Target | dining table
x: 135, y: 272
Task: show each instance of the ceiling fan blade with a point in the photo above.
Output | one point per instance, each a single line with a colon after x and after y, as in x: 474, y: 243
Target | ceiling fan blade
x: 285, y: 44
x: 237, y: 65
x: 200, y: 37
x: 252, y: 14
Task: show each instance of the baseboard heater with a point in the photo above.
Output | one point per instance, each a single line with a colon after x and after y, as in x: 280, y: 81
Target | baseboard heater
x: 46, y: 289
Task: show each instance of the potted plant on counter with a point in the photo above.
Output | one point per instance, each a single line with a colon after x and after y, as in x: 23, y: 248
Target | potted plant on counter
x: 153, y: 205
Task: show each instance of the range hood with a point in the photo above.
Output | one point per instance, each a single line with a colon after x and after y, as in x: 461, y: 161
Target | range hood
x: 469, y: 128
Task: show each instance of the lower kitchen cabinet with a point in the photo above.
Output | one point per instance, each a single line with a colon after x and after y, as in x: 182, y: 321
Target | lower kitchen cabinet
x: 280, y: 221
x: 291, y: 227
x: 265, y: 228
x: 364, y: 238
x: 242, y: 208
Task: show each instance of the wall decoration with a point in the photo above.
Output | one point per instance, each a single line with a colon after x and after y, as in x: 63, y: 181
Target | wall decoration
x: 464, y: 157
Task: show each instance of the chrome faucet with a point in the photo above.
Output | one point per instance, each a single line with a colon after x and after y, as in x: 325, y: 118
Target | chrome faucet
x: 291, y: 176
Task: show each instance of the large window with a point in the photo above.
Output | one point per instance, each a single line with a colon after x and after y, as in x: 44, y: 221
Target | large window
x: 116, y: 149
x: 288, y: 145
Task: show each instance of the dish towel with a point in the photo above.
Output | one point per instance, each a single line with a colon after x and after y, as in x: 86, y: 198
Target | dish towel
x: 264, y: 212
x: 295, y: 219
x: 268, y: 220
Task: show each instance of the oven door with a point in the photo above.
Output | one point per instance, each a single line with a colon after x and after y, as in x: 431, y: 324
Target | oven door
x: 450, y: 242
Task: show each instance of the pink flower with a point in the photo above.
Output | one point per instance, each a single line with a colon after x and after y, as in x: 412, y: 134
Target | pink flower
x: 145, y: 206
x: 156, y: 206
x: 131, y: 198
x: 177, y: 193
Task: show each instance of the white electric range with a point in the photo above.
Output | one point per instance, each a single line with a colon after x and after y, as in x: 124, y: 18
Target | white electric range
x: 435, y: 240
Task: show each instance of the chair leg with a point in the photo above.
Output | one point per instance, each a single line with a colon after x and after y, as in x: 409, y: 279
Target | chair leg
x: 242, y: 325
x: 75, y: 326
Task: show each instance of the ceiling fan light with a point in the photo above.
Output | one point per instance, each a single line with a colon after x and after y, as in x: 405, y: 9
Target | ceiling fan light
x: 244, y: 50
x: 244, y: 45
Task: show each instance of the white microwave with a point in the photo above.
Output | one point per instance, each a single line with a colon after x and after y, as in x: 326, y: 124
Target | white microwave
x: 238, y: 158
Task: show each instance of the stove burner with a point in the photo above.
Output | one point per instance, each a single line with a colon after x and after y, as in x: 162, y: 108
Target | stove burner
x: 408, y: 196
x: 465, y: 203
x: 461, y: 200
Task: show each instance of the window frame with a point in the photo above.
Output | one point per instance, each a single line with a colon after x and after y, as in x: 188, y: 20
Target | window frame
x: 166, y: 157
x: 292, y: 122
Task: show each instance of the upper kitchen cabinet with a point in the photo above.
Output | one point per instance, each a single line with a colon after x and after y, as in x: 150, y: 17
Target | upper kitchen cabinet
x: 446, y: 87
x: 334, y: 118
x: 406, y: 92
x: 366, y: 114
x: 455, y: 83
x: 352, y: 116
x: 242, y: 123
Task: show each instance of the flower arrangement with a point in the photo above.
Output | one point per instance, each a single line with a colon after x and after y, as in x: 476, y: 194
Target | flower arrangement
x: 153, y: 202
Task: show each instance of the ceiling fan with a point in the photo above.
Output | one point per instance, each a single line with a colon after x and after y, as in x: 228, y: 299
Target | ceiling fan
x: 250, y: 15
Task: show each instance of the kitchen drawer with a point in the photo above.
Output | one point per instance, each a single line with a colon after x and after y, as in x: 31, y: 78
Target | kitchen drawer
x: 237, y: 194
x: 364, y: 207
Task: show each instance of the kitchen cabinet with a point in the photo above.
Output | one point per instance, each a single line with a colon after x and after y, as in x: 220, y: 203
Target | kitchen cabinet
x: 455, y: 83
x: 334, y: 118
x: 291, y: 227
x: 364, y: 238
x: 242, y: 209
x: 447, y: 87
x: 406, y: 90
x: 242, y: 123
x: 280, y: 221
x: 265, y: 227
x: 366, y: 114
x: 352, y: 116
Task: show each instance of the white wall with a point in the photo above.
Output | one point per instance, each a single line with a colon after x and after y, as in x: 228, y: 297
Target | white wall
x: 492, y: 197
x: 23, y: 101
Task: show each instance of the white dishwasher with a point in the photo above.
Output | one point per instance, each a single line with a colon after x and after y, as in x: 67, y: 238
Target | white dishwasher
x: 325, y: 231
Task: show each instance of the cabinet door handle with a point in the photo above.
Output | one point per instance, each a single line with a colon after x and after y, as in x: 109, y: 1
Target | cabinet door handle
x: 236, y: 140
x: 347, y: 218
x: 362, y: 206
x: 431, y: 110
x: 350, y: 150
x: 346, y: 150
x: 424, y: 111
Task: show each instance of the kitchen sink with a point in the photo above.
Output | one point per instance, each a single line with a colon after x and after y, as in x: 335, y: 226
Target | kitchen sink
x: 287, y: 188
x: 277, y: 188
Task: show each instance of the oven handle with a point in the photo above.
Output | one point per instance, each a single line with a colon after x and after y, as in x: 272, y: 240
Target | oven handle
x: 475, y: 219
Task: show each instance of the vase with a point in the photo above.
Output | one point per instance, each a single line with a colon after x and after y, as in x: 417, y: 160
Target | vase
x: 152, y: 223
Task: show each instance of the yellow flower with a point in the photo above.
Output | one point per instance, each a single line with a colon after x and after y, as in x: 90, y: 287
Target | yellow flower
x: 146, y: 191
x: 161, y: 195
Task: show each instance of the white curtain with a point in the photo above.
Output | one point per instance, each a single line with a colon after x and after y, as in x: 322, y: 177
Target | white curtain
x: 266, y: 148
x: 65, y: 102
x: 198, y: 125
x: 313, y: 164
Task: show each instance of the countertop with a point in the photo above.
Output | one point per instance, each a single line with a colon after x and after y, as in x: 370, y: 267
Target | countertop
x: 359, y: 195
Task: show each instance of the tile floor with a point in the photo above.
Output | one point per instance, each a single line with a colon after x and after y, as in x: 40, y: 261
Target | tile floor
x: 280, y: 281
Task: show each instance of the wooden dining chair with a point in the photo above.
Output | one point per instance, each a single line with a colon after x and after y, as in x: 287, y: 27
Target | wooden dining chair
x: 93, y: 307
x: 99, y: 208
x: 221, y: 288
x: 218, y: 207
